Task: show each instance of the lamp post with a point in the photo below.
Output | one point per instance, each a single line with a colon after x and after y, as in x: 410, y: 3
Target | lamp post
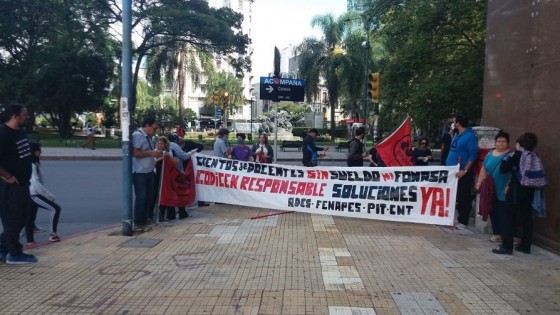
x: 252, y: 102
x: 365, y: 44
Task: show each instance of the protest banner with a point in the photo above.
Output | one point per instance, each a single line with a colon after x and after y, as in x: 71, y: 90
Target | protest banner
x: 396, y: 149
x: 177, y: 189
x: 407, y: 194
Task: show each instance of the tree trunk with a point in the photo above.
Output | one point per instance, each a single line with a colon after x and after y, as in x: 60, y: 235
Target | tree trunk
x: 181, y: 88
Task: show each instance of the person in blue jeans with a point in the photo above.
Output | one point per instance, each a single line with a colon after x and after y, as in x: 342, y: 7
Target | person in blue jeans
x: 15, y: 175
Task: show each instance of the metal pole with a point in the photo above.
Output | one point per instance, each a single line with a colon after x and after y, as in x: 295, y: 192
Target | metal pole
x: 276, y: 133
x: 252, y: 100
x: 127, y: 112
x: 366, y: 71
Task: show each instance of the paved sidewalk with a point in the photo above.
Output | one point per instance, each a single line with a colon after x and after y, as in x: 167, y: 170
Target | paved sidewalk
x: 219, y: 261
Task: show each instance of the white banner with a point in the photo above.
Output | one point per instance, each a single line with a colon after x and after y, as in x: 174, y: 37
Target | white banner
x: 423, y: 194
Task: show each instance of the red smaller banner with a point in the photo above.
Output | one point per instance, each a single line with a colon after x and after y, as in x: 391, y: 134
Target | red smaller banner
x: 177, y: 189
x: 396, y: 150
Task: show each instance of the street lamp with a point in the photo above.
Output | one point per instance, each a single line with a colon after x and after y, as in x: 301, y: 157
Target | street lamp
x: 252, y: 102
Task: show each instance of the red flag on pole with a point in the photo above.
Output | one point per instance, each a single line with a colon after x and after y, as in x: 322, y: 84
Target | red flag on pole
x: 177, y: 189
x: 396, y: 150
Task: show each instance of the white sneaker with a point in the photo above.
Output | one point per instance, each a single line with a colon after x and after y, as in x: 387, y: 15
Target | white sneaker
x: 460, y: 226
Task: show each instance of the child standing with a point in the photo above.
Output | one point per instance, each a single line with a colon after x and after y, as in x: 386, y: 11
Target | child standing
x: 40, y: 196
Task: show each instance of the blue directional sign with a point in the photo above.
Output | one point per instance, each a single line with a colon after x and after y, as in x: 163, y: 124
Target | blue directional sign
x: 218, y: 113
x: 282, y: 89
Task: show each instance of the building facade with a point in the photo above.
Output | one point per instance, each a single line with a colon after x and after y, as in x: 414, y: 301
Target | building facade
x: 522, y: 90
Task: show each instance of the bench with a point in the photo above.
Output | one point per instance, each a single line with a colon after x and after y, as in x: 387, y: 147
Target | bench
x: 343, y: 145
x: 291, y: 144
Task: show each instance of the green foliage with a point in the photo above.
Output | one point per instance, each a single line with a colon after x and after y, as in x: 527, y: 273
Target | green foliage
x: 297, y: 111
x: 177, y: 23
x: 318, y: 59
x: 57, y: 57
x: 434, y: 62
x: 225, y: 91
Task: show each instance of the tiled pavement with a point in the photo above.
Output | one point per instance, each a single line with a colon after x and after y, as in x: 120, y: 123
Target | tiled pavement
x: 220, y: 261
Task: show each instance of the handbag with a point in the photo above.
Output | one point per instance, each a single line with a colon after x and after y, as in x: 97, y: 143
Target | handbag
x: 487, y: 195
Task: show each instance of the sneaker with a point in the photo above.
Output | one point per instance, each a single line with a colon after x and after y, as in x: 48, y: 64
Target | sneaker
x: 39, y: 229
x: 137, y: 229
x: 20, y: 259
x: 460, y: 226
x: 30, y: 244
x: 500, y: 250
x: 54, y: 237
x: 496, y: 239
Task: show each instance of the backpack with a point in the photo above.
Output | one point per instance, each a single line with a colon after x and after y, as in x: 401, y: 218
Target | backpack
x: 531, y: 170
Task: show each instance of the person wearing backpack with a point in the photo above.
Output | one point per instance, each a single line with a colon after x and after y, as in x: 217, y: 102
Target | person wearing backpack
x: 518, y: 197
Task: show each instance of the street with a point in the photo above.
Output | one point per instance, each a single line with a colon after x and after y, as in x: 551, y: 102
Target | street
x: 90, y: 194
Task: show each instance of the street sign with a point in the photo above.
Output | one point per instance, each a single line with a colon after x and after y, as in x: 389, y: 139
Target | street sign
x: 218, y: 113
x: 282, y: 89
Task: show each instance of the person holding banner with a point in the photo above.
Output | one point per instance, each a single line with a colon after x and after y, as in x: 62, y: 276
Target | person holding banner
x: 165, y: 213
x: 262, y: 151
x: 182, y: 158
x: 310, y: 149
x: 374, y: 158
x: 356, y: 152
x: 463, y: 151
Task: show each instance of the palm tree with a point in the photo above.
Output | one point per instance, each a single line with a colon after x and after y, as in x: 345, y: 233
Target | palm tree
x: 174, y: 64
x: 225, y: 90
x: 323, y: 59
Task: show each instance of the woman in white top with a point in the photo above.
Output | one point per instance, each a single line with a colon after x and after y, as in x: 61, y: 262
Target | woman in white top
x: 41, y: 197
x: 262, y: 151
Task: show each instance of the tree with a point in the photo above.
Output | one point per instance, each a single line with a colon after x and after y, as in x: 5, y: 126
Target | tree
x: 224, y: 91
x: 322, y: 59
x: 175, y: 23
x: 169, y: 66
x: 434, y: 64
x: 57, y: 57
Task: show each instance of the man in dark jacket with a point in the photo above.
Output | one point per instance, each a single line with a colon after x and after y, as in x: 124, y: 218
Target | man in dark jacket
x: 356, y: 152
x: 310, y: 149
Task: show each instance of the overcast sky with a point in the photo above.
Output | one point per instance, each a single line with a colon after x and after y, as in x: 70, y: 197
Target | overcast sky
x: 284, y: 22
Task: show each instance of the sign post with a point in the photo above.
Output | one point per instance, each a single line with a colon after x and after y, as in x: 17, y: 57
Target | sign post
x: 282, y: 89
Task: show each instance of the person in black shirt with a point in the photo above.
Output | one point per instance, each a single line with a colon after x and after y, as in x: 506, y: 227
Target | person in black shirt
x: 356, y: 152
x: 15, y: 175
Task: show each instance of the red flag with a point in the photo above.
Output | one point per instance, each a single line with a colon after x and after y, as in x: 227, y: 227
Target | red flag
x: 177, y: 189
x: 396, y: 150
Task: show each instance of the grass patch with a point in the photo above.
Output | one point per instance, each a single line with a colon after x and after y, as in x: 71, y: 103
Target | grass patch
x: 54, y: 140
